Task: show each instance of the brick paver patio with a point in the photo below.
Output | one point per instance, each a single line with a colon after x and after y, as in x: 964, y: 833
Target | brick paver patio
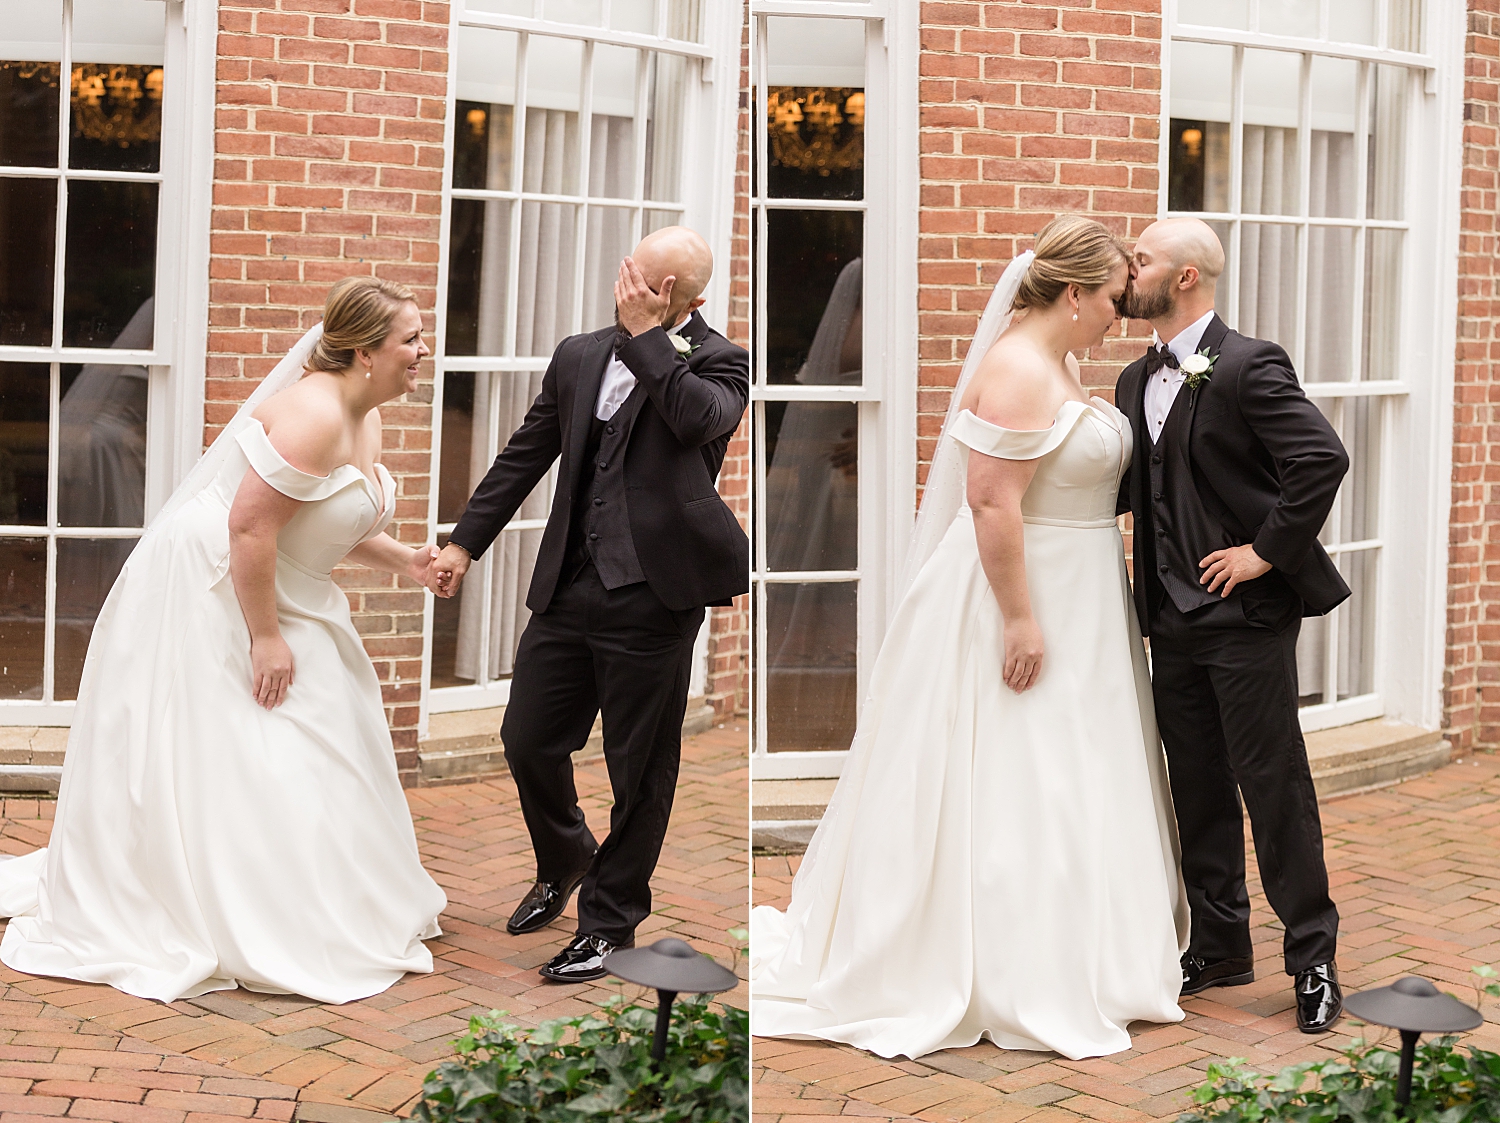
x: 90, y: 1052
x: 1416, y: 875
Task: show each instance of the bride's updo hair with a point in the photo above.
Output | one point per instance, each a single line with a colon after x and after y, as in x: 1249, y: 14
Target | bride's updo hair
x: 1070, y: 250
x: 358, y: 313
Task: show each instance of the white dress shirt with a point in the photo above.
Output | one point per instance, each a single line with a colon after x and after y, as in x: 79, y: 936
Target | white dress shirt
x: 1161, y: 389
x: 619, y: 382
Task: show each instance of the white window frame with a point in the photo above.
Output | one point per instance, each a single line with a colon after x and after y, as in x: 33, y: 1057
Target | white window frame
x: 886, y: 397
x: 1415, y: 414
x: 176, y: 362
x: 706, y: 205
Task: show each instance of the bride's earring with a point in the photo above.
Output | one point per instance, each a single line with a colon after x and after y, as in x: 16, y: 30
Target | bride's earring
x: 1075, y: 318
x: 367, y: 369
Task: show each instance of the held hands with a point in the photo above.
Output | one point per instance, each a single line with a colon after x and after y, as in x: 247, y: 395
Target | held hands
x: 1233, y: 567
x: 640, y: 308
x: 446, y: 571
x: 270, y: 670
x: 419, y: 569
x: 1023, y: 654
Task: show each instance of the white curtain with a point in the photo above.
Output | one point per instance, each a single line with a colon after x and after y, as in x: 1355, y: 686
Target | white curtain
x: 546, y: 292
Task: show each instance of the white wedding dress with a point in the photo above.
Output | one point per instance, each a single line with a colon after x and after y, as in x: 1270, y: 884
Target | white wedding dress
x: 202, y: 842
x: 995, y: 865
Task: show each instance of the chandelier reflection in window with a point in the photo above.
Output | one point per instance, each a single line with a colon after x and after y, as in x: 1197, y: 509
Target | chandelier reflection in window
x: 816, y: 133
x: 116, y: 104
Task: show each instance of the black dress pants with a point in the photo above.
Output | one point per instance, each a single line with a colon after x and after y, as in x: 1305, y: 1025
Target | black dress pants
x: 1226, y: 705
x: 626, y: 654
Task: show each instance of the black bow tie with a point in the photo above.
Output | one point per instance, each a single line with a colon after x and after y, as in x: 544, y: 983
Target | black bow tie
x: 1158, y: 357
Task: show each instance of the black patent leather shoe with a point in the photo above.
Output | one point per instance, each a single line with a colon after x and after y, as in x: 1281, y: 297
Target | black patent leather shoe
x: 582, y: 961
x: 1320, y: 1000
x: 543, y: 904
x: 1200, y: 974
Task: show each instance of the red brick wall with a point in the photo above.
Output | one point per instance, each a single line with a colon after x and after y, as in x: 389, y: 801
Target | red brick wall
x: 1471, y: 680
x: 1028, y: 110
x: 328, y: 162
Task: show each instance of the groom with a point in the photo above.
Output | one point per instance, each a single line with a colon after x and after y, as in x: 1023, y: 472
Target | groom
x: 638, y: 542
x: 1233, y: 475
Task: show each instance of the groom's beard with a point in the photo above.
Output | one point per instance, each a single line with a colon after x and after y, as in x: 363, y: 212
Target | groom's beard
x: 1147, y: 304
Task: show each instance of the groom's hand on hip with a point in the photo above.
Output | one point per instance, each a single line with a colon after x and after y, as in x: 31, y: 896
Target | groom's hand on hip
x: 448, y: 570
x: 639, y: 307
x: 1232, y: 567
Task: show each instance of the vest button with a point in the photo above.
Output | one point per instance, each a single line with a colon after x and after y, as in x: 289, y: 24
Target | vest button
x: 609, y: 429
x: 595, y: 538
x: 1154, y: 495
x: 598, y: 502
x: 1159, y: 533
x: 1156, y: 460
x: 603, y: 465
x: 1163, y: 568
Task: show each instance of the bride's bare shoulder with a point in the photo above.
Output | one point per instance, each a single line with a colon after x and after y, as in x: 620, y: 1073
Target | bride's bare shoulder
x: 305, y: 424
x: 1015, y: 387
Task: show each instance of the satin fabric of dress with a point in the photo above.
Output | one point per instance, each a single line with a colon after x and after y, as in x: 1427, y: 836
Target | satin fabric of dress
x: 202, y: 842
x: 995, y: 865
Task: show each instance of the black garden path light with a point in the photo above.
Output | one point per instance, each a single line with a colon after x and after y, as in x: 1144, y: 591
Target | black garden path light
x: 1413, y: 1006
x: 671, y: 967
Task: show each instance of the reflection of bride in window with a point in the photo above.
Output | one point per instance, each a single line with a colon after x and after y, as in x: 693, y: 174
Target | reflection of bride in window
x: 812, y: 507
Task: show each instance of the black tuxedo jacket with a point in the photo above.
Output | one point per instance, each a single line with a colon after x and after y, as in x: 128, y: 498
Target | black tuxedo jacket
x: 689, y: 543
x: 1263, y: 457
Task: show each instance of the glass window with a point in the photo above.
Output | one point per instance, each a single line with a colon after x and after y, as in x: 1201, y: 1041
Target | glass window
x: 1309, y: 202
x: 78, y: 272
x: 550, y: 181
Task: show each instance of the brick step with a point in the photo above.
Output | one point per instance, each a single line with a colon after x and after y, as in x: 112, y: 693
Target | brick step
x: 1344, y: 761
x: 464, y: 745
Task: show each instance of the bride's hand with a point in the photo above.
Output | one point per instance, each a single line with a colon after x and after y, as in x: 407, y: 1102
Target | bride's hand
x: 1023, y: 654
x: 419, y: 569
x: 270, y: 670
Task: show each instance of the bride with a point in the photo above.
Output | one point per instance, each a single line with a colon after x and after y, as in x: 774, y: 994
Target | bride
x: 230, y: 812
x: 999, y: 858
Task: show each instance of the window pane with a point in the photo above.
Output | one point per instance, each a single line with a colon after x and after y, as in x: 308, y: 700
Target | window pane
x: 553, y: 73
x: 1290, y: 17
x: 1405, y: 25
x: 101, y: 469
x: 573, y: 11
x: 812, y: 485
x: 1382, y: 304
x: 456, y: 472
x: 29, y: 95
x: 111, y: 261
x: 1389, y: 94
x: 1356, y: 624
x: 116, y: 84
x: 1359, y: 501
x: 24, y: 396
x: 811, y: 670
x: 1199, y: 166
x: 510, y: 561
x: 815, y: 52
x: 816, y: 142
x: 1330, y: 304
x: 526, y: 8
x: 544, y: 297
x: 668, y: 101
x: 808, y: 253
x: 1335, y: 82
x: 684, y: 19
x: 1351, y: 21
x: 608, y: 243
x: 633, y: 15
x: 1270, y: 178
x: 28, y: 226
x: 1267, y: 274
x: 612, y: 129
x: 23, y: 616
x: 1312, y: 656
x: 1213, y: 13
x: 482, y: 133
x: 655, y: 220
x: 86, y: 570
x: 1198, y: 152
x: 478, y: 276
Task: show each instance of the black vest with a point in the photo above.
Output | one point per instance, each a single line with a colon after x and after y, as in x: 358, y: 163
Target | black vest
x: 1180, y: 530
x: 599, y: 529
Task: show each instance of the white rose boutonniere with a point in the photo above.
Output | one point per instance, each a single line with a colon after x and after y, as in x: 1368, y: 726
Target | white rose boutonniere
x: 684, y: 347
x: 1198, y: 369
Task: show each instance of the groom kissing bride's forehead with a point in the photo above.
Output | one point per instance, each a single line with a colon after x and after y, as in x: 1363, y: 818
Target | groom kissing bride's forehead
x: 1229, y: 486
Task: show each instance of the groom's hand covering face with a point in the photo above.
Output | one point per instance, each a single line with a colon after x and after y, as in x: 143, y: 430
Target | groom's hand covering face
x: 662, y: 280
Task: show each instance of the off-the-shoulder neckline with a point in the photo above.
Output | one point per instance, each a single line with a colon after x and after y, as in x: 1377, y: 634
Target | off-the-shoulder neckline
x: 375, y: 485
x: 1060, y: 410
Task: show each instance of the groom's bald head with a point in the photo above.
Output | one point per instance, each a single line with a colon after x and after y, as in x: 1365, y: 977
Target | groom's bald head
x: 1174, y: 271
